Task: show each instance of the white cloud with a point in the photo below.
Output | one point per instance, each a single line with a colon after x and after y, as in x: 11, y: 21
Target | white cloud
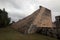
x: 21, y: 8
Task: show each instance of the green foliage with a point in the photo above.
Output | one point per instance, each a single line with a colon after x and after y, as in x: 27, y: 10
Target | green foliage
x: 4, y: 20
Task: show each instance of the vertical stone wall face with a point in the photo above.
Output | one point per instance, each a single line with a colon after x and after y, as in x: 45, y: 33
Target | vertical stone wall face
x: 58, y: 26
x: 43, y: 19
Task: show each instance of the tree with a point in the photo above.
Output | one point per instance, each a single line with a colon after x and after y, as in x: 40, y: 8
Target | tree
x: 4, y: 19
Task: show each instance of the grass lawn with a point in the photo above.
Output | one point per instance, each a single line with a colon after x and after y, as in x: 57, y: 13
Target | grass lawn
x: 10, y: 34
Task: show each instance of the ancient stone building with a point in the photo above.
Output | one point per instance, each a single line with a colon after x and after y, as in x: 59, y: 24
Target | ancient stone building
x: 40, y: 18
x: 57, y: 23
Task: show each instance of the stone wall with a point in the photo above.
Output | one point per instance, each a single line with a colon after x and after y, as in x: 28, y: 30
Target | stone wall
x: 43, y: 19
x: 40, y: 18
x: 57, y: 23
x: 47, y: 31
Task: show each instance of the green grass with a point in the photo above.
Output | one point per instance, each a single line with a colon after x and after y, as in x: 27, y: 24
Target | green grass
x: 10, y: 34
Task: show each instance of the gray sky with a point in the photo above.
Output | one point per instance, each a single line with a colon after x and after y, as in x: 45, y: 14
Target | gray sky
x: 19, y: 9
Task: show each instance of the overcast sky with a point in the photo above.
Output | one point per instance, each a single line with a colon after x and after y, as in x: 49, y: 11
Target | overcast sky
x: 18, y: 9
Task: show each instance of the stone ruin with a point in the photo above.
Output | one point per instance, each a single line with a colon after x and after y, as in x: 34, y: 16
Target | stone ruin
x: 57, y: 23
x: 41, y: 18
x: 38, y: 22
